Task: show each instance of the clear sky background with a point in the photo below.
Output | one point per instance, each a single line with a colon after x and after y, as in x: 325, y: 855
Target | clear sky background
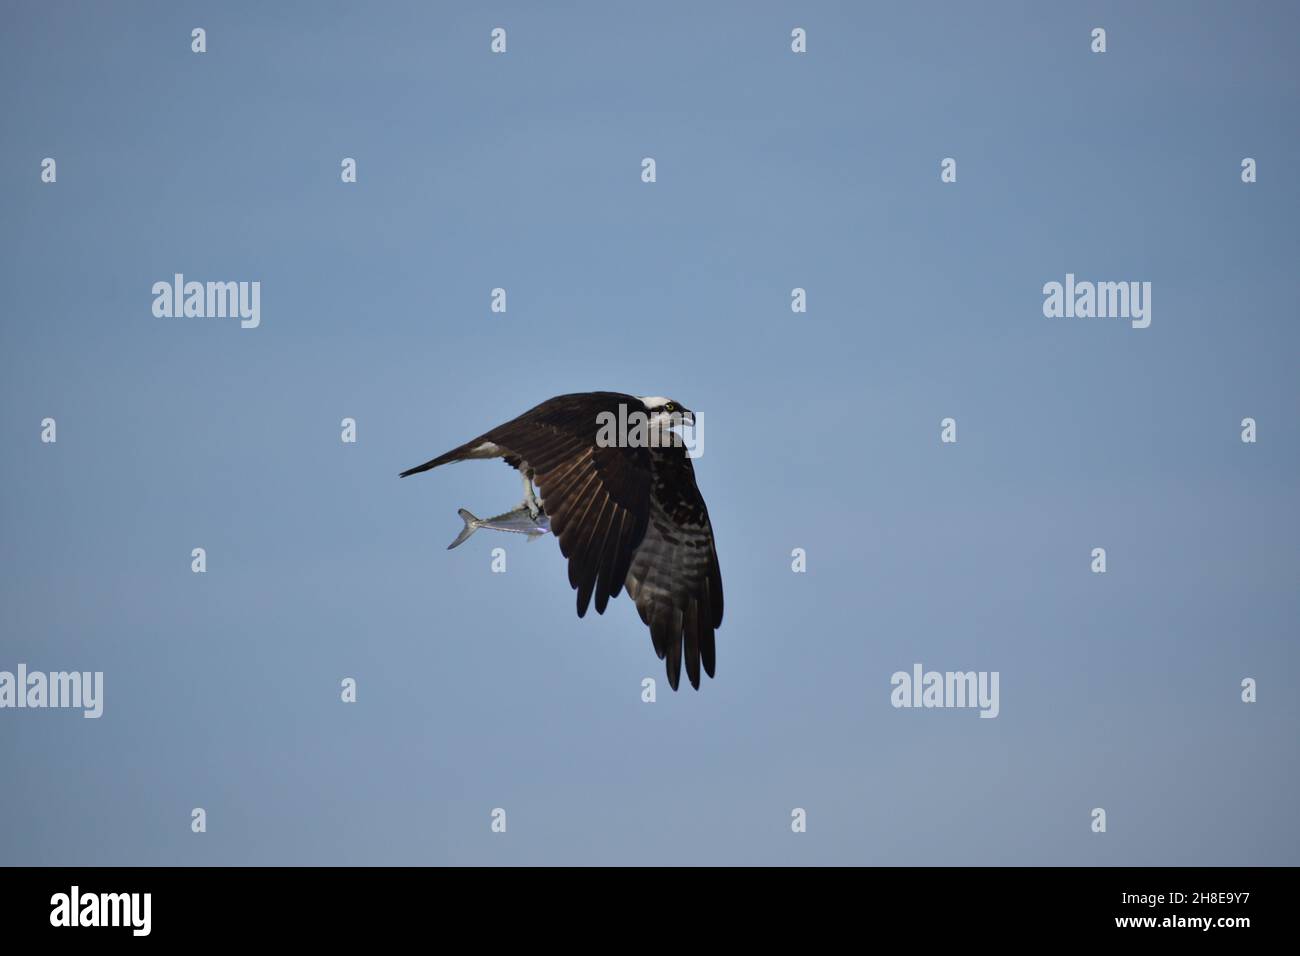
x: 479, y: 690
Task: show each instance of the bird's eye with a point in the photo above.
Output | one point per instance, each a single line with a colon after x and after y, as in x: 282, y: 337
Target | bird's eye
x: 670, y: 407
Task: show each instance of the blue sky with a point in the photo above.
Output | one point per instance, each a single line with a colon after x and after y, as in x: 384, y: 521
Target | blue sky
x: 821, y: 171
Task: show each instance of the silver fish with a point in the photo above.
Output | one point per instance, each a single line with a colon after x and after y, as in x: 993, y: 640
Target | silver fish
x: 520, y: 521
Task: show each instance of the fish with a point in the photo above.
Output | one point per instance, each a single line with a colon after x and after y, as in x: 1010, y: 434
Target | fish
x: 520, y: 521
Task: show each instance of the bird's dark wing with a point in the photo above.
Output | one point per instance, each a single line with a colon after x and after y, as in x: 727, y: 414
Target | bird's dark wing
x: 597, y: 498
x: 674, y: 577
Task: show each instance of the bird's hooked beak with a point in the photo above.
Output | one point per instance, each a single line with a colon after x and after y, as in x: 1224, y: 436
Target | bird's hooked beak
x: 688, y: 417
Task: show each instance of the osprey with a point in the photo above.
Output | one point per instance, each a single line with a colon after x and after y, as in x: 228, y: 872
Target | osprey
x: 627, y: 513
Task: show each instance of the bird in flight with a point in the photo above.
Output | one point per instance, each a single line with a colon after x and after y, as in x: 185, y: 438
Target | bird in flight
x: 625, y: 508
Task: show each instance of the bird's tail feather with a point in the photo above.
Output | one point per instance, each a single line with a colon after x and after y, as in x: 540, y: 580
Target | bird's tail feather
x: 456, y: 454
x: 471, y: 525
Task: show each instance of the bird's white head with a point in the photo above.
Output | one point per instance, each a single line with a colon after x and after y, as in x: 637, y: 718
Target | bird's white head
x: 665, y: 413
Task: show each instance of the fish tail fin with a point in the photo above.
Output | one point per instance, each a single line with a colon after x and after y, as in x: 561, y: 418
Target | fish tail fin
x: 471, y: 525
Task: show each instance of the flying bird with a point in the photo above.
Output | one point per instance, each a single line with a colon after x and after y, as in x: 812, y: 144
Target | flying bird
x: 627, y: 513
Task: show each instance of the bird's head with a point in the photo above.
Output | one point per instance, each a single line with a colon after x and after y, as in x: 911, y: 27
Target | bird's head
x: 665, y: 413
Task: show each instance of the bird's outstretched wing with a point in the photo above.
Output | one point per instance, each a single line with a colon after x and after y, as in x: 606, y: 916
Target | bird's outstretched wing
x: 598, y: 498
x: 674, y: 577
